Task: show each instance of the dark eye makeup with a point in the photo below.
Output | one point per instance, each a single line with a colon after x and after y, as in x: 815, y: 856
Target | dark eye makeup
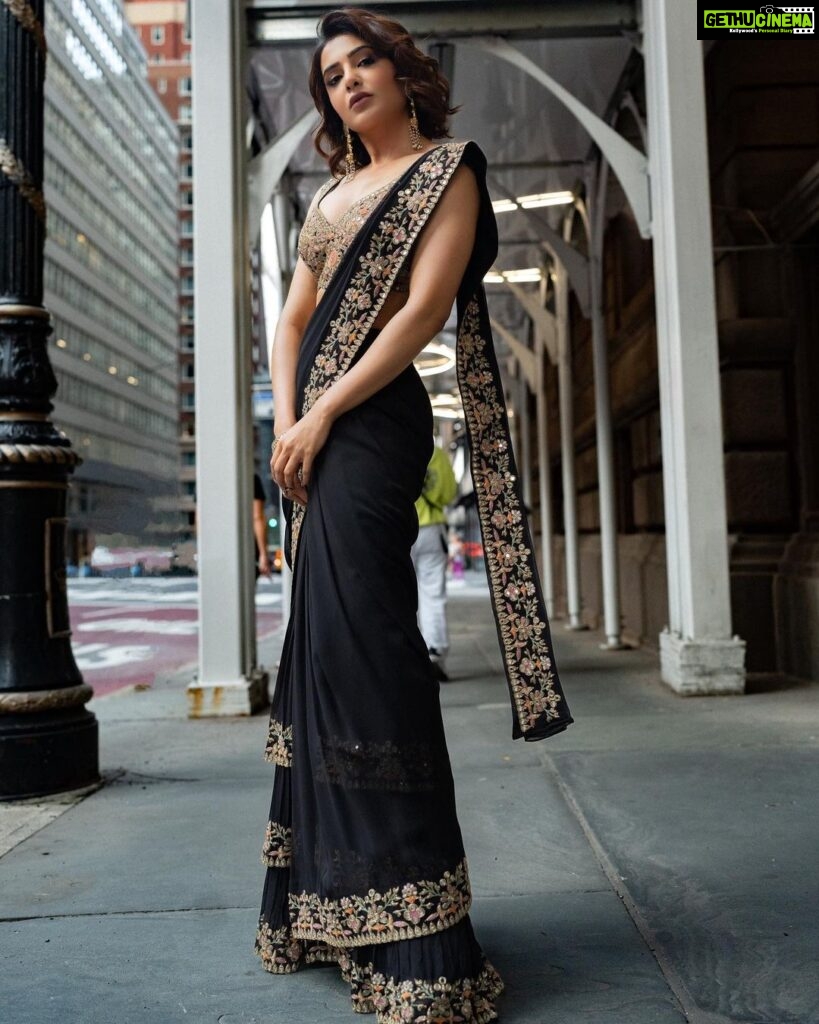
x: 370, y: 58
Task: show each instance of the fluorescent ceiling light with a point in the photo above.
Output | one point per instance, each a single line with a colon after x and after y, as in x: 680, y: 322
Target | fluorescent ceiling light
x: 520, y: 276
x: 546, y: 199
x: 532, y: 202
x: 446, y: 406
x: 525, y: 274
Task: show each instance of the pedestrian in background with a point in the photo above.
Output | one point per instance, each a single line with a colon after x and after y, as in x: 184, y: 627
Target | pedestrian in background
x: 429, y: 556
x: 260, y: 528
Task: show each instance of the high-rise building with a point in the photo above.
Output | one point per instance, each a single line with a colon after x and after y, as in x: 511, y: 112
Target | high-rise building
x: 111, y: 273
x: 163, y: 30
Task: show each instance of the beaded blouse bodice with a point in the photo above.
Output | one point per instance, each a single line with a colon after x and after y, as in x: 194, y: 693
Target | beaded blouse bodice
x: 322, y: 244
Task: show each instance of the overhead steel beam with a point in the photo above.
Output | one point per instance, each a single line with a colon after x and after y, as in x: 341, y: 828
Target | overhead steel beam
x: 283, y: 22
x: 543, y: 319
x: 266, y: 169
x: 527, y: 360
x: 627, y: 162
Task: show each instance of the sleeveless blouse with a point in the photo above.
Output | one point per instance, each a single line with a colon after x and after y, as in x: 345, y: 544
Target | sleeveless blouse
x: 322, y: 245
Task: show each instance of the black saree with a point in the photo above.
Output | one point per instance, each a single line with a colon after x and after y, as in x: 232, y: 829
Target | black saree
x: 365, y: 858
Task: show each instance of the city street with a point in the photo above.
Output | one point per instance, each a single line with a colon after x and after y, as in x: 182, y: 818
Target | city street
x: 126, y: 632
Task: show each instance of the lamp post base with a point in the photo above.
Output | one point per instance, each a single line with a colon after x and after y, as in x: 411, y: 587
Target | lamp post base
x: 41, y: 754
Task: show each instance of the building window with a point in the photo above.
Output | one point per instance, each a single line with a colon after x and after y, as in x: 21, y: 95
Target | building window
x: 188, y: 372
x: 187, y: 343
x: 188, y: 458
x: 187, y: 284
x: 157, y: 34
x: 186, y: 169
x: 189, y: 400
x: 185, y: 139
x: 186, y: 197
x: 185, y: 112
x: 190, y: 488
x: 162, y: 85
x: 184, y: 86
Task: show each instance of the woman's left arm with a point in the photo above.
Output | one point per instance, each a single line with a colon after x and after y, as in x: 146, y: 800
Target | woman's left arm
x: 441, y: 257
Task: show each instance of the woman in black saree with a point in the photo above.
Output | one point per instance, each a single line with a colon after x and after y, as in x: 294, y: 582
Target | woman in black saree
x: 365, y: 859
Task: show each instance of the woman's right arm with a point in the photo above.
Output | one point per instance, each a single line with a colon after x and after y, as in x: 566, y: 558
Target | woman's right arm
x: 284, y: 350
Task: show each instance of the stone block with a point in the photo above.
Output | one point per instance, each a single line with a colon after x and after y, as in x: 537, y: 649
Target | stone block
x: 699, y: 667
x: 236, y: 697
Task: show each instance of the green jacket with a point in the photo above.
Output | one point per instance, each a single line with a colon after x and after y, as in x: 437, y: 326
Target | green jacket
x: 440, y: 488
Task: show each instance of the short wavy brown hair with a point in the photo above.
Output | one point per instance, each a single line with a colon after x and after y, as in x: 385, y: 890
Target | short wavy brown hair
x: 420, y: 74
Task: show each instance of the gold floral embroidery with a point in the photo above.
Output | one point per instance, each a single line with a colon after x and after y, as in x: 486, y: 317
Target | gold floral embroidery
x: 465, y: 1001
x: 507, y: 547
x: 278, y: 845
x: 461, y: 1001
x: 279, y: 748
x: 322, y: 244
x: 402, y: 912
x: 279, y: 951
x: 372, y: 280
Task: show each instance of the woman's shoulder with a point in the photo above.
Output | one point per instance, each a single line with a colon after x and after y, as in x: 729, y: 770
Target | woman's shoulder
x: 467, y: 151
x: 322, y: 191
x: 466, y: 145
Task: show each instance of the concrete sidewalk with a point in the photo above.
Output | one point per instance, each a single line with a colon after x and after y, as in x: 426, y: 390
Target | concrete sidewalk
x: 653, y: 864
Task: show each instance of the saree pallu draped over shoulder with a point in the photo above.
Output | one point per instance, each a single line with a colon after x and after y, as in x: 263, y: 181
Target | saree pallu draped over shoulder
x: 364, y: 854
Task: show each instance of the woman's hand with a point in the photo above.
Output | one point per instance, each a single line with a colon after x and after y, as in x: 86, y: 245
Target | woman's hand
x: 296, y: 450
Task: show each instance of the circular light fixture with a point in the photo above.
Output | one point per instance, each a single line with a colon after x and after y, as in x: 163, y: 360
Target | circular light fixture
x: 434, y: 358
x: 446, y: 406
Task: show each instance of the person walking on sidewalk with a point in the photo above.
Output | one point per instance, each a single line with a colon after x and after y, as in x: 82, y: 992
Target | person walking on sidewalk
x: 365, y: 860
x: 429, y: 556
x: 260, y: 528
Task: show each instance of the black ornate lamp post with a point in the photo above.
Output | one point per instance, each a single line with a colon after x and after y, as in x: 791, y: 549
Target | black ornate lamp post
x: 48, y: 740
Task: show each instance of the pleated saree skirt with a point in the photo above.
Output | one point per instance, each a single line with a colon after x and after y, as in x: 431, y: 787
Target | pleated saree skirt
x: 364, y: 855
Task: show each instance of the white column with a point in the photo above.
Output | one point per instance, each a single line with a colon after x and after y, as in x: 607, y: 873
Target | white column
x: 566, y: 397
x: 525, y: 465
x: 544, y: 481
x: 228, y: 682
x: 698, y: 652
x: 595, y: 221
x: 512, y: 371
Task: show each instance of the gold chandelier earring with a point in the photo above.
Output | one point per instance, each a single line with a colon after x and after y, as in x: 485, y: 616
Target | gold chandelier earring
x: 414, y: 133
x: 350, y: 158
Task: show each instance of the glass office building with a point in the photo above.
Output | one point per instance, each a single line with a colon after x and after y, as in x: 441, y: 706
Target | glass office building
x: 111, y: 274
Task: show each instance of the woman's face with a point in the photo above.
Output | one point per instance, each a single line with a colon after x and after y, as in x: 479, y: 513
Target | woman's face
x: 360, y: 83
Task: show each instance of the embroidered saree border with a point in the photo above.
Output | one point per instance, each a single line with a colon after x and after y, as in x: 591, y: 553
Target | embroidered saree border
x: 511, y: 565
x: 279, y: 747
x: 401, y: 912
x: 277, y: 848
x: 463, y: 1001
x: 371, y: 281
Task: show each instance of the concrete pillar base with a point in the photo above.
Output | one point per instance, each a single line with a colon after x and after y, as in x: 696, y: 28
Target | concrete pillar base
x: 699, y: 667
x: 238, y: 697
x: 614, y: 643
